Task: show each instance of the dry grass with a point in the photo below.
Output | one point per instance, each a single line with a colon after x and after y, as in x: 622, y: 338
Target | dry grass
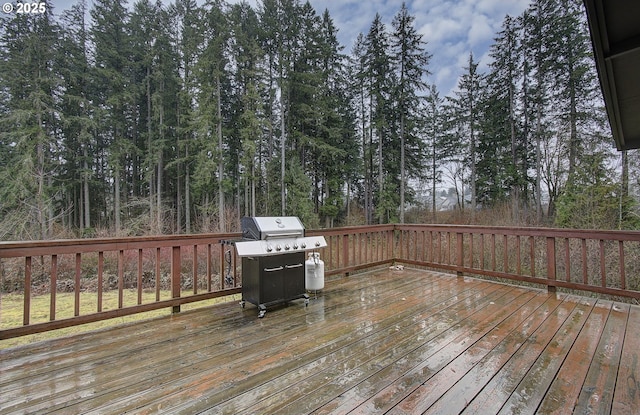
x: 11, y: 308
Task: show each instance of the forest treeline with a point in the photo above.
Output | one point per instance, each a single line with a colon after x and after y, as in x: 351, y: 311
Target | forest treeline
x: 152, y: 117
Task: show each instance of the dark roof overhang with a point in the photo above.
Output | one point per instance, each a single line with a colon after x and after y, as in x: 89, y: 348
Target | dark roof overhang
x: 615, y: 34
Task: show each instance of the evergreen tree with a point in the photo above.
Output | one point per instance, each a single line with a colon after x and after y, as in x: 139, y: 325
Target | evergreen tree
x: 361, y: 85
x: 538, y: 22
x: 466, y: 114
x: 575, y: 80
x: 249, y: 116
x: 281, y: 42
x: 144, y: 27
x: 112, y: 52
x: 434, y: 132
x: 187, y: 38
x: 211, y: 75
x: 592, y: 200
x: 30, y: 129
x: 411, y: 60
x: 378, y: 72
x: 78, y: 126
x: 508, y: 138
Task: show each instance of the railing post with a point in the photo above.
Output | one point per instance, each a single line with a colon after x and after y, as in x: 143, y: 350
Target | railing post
x: 460, y: 252
x: 551, y: 263
x: 175, y: 275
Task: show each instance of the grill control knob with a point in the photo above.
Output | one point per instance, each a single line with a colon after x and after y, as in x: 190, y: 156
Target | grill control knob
x: 287, y: 247
x: 303, y: 245
x: 317, y: 243
x: 295, y: 245
x: 278, y: 247
x: 269, y: 248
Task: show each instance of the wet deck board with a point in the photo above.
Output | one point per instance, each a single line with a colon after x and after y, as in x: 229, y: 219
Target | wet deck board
x: 401, y: 342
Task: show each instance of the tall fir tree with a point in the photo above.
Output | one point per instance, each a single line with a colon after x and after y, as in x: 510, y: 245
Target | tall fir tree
x: 112, y: 52
x: 78, y: 128
x: 466, y: 109
x: 187, y: 37
x: 249, y: 118
x: 30, y: 123
x: 434, y: 128
x: 504, y: 80
x: 211, y: 80
x: 410, y: 60
x: 379, y: 74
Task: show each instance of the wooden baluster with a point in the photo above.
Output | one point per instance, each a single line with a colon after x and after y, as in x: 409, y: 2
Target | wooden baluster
x: 54, y: 287
x: 551, y: 262
x: 76, y: 307
x: 176, y: 265
x: 139, y: 276
x: 26, y: 311
x: 120, y: 279
x: 623, y: 278
x: 194, y: 267
x: 100, y: 278
x: 158, y: 275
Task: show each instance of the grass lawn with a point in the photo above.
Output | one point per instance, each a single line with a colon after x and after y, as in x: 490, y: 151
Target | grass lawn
x: 11, y: 307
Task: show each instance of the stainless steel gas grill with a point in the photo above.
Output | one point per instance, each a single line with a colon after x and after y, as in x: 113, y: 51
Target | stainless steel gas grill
x: 272, y: 251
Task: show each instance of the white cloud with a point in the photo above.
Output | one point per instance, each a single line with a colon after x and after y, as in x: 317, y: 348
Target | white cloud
x: 439, y: 31
x: 480, y: 31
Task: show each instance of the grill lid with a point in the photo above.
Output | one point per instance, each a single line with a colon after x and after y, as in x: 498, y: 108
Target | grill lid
x: 266, y: 227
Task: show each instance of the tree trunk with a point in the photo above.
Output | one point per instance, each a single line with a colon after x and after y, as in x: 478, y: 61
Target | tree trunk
x: 515, y: 191
x: 624, y: 193
x: 149, y: 151
x: 116, y: 197
x: 179, y: 200
x: 538, y: 168
x: 221, y: 207
x: 282, y: 153
x: 402, y: 168
x: 187, y: 199
x: 159, y: 192
x: 85, y: 184
x: 380, y: 174
x: 434, y: 179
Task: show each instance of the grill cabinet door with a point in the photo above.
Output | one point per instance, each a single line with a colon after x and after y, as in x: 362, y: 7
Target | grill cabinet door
x: 272, y: 283
x: 293, y: 278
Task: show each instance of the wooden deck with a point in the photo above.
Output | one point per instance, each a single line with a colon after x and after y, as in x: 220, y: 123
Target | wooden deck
x: 380, y: 342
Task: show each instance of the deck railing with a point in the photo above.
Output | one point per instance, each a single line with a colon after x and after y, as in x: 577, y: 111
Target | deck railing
x: 115, y: 277
x: 603, y: 262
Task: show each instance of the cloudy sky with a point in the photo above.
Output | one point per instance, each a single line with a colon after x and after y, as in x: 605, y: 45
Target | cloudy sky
x: 451, y: 28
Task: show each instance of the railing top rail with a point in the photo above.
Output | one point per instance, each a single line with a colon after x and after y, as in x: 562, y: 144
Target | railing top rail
x: 351, y: 229
x: 531, y: 231
x: 11, y: 249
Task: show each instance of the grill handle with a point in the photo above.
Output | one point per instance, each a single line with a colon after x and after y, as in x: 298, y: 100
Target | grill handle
x: 280, y: 268
x: 280, y: 235
x: 293, y: 266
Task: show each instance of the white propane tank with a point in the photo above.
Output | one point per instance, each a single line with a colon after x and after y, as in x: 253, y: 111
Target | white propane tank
x: 314, y: 272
